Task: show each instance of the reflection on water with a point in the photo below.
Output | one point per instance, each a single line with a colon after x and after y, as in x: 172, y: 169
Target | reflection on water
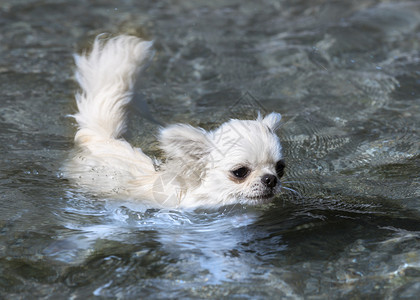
x: 345, y: 76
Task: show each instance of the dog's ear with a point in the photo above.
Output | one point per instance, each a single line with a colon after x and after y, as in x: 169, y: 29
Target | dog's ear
x: 272, y: 120
x: 184, y: 142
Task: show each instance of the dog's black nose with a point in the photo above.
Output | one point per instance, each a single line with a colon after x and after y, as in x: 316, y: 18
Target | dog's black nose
x: 269, y: 180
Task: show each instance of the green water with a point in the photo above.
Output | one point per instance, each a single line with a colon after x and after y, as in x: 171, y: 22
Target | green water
x: 344, y: 74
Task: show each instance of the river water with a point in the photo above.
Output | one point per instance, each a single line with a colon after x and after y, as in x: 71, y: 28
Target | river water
x: 344, y: 74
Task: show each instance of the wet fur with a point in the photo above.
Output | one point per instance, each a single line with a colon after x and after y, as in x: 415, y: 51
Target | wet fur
x: 199, y: 163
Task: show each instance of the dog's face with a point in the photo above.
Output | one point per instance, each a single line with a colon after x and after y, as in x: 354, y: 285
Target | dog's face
x: 240, y: 162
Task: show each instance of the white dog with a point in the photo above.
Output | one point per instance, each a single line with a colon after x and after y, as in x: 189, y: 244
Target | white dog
x: 240, y: 162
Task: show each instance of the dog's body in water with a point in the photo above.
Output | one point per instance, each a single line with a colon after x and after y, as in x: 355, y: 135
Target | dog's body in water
x: 239, y: 162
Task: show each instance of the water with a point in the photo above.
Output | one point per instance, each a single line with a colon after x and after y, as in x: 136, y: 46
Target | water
x: 345, y: 76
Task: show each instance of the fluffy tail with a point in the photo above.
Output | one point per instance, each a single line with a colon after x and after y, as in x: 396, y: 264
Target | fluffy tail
x: 107, y: 76
x: 103, y: 161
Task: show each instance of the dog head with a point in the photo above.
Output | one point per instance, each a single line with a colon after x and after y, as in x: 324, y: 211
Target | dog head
x: 239, y: 162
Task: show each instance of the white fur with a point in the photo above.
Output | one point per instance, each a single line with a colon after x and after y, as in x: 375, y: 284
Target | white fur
x: 199, y: 166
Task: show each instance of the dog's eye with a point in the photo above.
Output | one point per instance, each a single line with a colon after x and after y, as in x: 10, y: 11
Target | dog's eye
x: 280, y: 168
x: 242, y: 172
